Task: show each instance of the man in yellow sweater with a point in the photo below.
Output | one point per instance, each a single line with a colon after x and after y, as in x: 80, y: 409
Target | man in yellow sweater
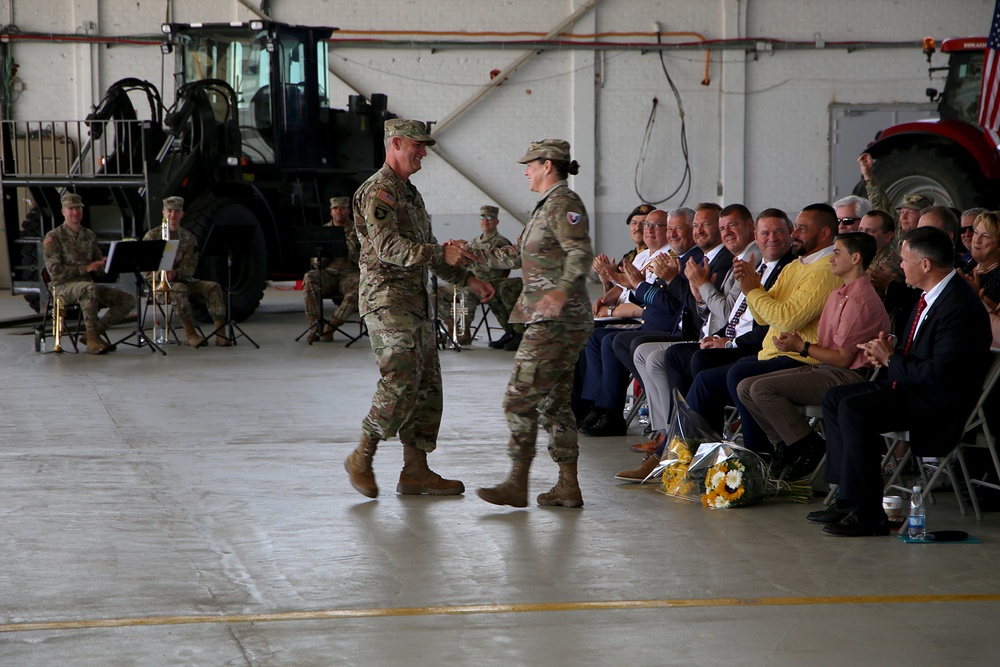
x: 794, y: 303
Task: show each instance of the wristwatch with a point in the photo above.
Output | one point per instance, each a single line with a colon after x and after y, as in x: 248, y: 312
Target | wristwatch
x: 611, y: 309
x: 805, y: 350
x: 730, y: 344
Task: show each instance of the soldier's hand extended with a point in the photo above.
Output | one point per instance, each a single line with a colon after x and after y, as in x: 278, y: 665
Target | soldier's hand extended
x: 865, y: 162
x: 457, y: 255
x: 552, y: 303
x: 483, y: 289
x: 96, y: 266
x: 461, y: 243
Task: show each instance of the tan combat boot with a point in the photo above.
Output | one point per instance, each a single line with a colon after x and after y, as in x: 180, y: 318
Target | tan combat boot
x: 566, y: 492
x: 512, y: 491
x: 191, y: 335
x: 359, y: 467
x: 221, y: 339
x: 642, y: 472
x: 416, y: 478
x: 95, y: 344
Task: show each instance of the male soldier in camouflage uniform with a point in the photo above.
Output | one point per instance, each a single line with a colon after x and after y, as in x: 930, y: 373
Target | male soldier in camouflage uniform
x: 397, y: 250
x: 181, y: 283
x: 554, y: 253
x: 71, y: 255
x: 885, y: 267
x: 340, y: 274
x: 906, y: 214
x: 506, y: 289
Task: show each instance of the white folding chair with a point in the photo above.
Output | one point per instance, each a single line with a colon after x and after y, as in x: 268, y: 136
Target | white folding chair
x: 985, y: 439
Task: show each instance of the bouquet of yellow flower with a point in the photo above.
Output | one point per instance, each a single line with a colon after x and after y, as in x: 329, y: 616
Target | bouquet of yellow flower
x: 687, y: 433
x: 734, y: 476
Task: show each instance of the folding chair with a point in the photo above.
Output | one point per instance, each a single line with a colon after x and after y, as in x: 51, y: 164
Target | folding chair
x: 71, y: 311
x: 985, y: 439
x: 939, y: 465
x: 336, y: 298
x: 484, y: 320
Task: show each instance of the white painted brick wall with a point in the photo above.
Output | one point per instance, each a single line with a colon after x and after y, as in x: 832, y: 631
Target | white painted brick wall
x: 787, y: 94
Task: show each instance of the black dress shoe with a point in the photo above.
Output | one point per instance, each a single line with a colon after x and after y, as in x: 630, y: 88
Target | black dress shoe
x: 806, y: 462
x: 852, y: 526
x: 829, y: 515
x: 606, y: 427
x: 592, y: 418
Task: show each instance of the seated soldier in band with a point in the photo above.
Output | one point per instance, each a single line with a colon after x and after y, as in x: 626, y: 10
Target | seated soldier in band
x: 340, y: 275
x: 71, y: 255
x: 507, y: 289
x: 181, y: 282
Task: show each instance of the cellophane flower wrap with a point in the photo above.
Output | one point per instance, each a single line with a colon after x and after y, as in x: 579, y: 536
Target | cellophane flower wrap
x: 688, y: 431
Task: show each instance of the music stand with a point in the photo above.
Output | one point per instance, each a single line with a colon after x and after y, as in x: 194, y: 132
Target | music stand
x: 445, y: 338
x: 137, y: 257
x: 220, y: 241
x: 325, y: 242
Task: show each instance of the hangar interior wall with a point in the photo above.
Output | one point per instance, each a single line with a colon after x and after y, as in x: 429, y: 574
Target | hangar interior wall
x: 758, y: 131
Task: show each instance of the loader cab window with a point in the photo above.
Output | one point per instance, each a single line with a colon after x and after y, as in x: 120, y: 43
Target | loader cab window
x: 963, y: 87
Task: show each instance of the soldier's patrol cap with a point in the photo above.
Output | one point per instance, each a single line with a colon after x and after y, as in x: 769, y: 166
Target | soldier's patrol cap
x: 489, y: 212
x: 70, y: 200
x: 547, y: 149
x: 340, y: 201
x: 641, y: 209
x: 411, y: 129
x: 173, y: 204
x: 915, y: 201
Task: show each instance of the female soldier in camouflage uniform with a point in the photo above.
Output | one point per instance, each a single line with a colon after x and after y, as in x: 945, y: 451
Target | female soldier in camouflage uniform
x: 554, y: 254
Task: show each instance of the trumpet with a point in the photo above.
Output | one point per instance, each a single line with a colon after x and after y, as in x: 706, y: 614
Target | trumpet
x: 57, y: 324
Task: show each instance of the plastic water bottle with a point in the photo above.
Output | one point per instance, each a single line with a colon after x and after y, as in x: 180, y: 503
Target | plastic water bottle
x: 917, y: 525
x: 159, y: 332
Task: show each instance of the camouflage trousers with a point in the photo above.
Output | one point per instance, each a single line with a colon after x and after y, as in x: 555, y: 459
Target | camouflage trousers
x: 334, y: 282
x: 507, y: 290
x: 408, y: 398
x: 203, y: 291
x: 91, y: 296
x: 540, y: 389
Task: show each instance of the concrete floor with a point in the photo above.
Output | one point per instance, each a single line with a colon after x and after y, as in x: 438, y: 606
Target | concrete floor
x: 193, y: 510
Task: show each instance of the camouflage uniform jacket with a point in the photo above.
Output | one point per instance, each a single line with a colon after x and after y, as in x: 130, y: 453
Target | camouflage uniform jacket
x: 186, y: 261
x: 397, y: 246
x: 553, y: 252
x: 880, y: 200
x: 485, y: 242
x: 67, y: 254
x: 347, y: 264
x: 887, y: 258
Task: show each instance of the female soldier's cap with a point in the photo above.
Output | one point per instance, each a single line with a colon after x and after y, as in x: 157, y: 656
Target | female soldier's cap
x: 547, y: 149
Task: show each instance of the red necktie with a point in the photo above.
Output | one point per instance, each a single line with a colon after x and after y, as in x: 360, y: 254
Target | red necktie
x: 921, y: 305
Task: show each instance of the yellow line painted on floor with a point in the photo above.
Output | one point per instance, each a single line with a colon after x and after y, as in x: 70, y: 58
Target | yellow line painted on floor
x: 458, y: 610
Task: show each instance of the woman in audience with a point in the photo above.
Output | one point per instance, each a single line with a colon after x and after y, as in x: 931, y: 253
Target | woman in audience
x: 985, y: 276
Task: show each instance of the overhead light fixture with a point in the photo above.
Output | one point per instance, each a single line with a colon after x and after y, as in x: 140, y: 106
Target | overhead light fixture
x: 165, y: 28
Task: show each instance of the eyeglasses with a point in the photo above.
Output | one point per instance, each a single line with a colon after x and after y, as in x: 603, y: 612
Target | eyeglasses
x: 966, y: 230
x: 636, y: 223
x: 654, y: 225
x: 847, y: 221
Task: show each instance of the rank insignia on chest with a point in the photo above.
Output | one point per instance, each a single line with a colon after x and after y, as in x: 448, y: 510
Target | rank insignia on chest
x: 386, y: 197
x: 573, y: 218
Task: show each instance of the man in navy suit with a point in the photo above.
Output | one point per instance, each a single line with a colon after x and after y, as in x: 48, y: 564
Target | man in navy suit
x: 929, y: 384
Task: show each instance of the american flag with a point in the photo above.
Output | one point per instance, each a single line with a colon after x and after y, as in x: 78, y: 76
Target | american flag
x: 989, y: 107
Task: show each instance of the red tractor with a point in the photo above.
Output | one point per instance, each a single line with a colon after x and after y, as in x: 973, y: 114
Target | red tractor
x: 952, y: 159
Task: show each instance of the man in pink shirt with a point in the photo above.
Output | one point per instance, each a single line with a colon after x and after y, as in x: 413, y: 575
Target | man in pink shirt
x: 853, y: 314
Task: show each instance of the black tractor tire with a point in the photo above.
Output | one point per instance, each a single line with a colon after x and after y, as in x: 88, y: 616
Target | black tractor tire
x: 940, y: 174
x: 249, y: 271
x: 31, y: 228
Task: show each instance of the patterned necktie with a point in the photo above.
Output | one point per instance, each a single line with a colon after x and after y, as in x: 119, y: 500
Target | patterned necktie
x: 742, y: 308
x: 921, y: 305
